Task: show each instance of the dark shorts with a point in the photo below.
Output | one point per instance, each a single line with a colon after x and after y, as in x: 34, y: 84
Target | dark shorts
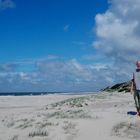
x: 137, y: 98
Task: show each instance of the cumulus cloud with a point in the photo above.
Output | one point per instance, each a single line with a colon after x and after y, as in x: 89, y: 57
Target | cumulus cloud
x: 72, y: 75
x: 70, y: 70
x: 5, y: 4
x: 56, y: 75
x: 118, y: 33
x: 8, y: 67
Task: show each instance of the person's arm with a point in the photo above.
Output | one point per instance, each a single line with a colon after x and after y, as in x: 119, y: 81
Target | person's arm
x: 132, y: 87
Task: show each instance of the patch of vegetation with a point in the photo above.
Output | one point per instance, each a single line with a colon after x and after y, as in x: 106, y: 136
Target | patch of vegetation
x: 70, y: 114
x: 8, y: 122
x: 120, y: 87
x: 100, y: 96
x: 72, y: 102
x: 38, y: 133
x: 125, y: 129
x: 69, y: 128
x: 25, y: 123
x: 44, y: 124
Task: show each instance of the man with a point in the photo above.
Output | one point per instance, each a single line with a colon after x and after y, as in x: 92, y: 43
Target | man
x: 135, y: 87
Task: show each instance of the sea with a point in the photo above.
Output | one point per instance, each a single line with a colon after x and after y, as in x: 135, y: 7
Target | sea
x: 42, y: 93
x: 26, y: 93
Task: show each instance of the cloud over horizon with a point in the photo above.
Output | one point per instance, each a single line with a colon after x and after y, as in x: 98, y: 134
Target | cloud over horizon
x: 56, y: 75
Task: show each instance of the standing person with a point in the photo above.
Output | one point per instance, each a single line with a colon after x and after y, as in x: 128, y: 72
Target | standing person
x: 135, y: 87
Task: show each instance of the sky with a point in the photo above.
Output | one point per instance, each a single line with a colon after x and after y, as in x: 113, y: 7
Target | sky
x: 67, y: 45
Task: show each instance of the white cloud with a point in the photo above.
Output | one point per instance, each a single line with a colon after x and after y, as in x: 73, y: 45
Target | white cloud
x: 99, y: 66
x: 24, y: 76
x: 56, y: 75
x: 5, y: 4
x: 62, y: 70
x: 118, y: 36
x: 7, y: 67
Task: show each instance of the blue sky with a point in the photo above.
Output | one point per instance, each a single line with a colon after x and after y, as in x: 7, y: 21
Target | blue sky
x: 64, y: 45
x: 34, y: 29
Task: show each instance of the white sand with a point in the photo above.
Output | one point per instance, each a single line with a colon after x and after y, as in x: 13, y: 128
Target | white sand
x: 69, y: 117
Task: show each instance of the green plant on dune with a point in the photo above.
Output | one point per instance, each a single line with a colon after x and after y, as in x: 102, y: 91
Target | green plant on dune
x: 69, y: 114
x: 25, y: 123
x: 44, y: 124
x: 72, y: 102
x: 38, y: 133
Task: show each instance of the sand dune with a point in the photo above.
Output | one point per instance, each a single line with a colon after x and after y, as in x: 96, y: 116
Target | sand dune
x: 69, y: 117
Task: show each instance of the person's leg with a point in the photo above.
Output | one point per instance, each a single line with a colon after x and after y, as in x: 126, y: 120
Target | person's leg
x: 137, y: 101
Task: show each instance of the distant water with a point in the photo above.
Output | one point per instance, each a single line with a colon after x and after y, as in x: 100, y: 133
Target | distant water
x: 43, y: 93
x: 26, y: 93
x: 79, y: 93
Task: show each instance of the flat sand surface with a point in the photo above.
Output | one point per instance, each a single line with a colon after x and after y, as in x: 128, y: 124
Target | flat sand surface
x: 102, y: 116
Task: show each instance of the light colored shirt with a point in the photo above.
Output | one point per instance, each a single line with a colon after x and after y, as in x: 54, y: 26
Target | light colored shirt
x: 137, y: 79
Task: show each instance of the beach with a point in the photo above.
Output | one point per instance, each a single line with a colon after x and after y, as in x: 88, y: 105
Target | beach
x: 69, y: 117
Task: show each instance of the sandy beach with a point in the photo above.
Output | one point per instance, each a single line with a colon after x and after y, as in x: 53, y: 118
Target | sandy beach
x: 69, y: 117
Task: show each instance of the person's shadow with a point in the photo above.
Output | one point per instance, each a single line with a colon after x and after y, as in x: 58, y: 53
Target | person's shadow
x: 132, y: 113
